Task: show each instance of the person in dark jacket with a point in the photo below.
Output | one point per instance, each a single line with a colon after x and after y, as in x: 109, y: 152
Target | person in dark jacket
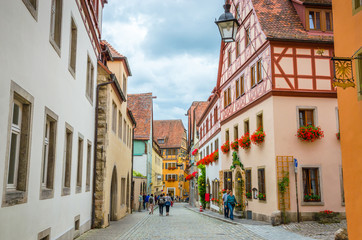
x: 161, y: 204
x: 144, y: 201
x: 231, y: 200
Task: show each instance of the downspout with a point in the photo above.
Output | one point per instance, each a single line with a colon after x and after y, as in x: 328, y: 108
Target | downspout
x: 132, y: 185
x: 95, y: 146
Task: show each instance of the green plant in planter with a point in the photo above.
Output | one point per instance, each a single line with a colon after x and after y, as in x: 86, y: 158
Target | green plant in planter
x: 202, y: 185
x: 283, y: 184
x: 327, y: 216
x: 236, y: 161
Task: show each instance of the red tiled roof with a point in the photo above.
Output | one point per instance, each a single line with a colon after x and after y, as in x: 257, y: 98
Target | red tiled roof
x: 323, y: 2
x: 141, y: 107
x: 114, y: 52
x: 279, y: 20
x: 172, y: 131
x: 200, y: 109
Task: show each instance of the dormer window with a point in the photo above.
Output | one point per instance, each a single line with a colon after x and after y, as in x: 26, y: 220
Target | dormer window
x: 319, y: 19
x: 161, y: 141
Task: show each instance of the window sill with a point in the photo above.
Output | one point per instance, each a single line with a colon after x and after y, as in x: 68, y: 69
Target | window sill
x: 312, y: 203
x: 78, y: 189
x: 90, y: 99
x: 55, y: 46
x: 46, y: 193
x: 65, y: 191
x: 72, y: 72
x: 87, y: 188
x: 14, y: 197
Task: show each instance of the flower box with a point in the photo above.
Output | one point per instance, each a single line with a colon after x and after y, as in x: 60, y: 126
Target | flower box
x: 216, y: 155
x: 327, y: 216
x: 225, y: 148
x: 248, y: 195
x: 244, y: 141
x: 312, y: 198
x: 234, y: 145
x: 258, y: 136
x: 338, y: 135
x: 262, y: 196
x: 309, y: 133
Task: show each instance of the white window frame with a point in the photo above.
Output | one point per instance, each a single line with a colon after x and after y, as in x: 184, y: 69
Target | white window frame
x: 15, y: 129
x: 44, y: 178
x: 315, y: 114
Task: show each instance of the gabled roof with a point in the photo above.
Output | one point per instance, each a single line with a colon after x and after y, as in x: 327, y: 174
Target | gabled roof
x: 117, y: 56
x: 199, y: 111
x: 171, y: 131
x: 279, y: 21
x: 141, y: 107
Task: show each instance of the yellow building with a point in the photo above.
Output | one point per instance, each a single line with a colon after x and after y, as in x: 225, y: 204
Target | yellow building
x: 156, y: 182
x: 347, y: 17
x: 115, y: 124
x: 171, y: 137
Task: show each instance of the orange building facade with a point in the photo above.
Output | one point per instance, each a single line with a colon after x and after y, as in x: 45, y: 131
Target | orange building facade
x: 347, y: 15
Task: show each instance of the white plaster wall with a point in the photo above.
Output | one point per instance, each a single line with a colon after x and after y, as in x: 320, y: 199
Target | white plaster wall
x: 140, y: 164
x: 28, y: 58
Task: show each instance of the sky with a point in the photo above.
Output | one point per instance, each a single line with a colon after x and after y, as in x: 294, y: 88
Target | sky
x: 172, y: 47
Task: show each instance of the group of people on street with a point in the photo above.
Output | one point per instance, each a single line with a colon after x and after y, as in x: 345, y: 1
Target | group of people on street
x: 229, y: 201
x: 149, y: 201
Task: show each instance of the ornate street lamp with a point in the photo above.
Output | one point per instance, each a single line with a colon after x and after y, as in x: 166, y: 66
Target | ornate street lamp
x: 228, y: 25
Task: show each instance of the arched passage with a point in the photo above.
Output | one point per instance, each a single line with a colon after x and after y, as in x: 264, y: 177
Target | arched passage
x: 113, y: 197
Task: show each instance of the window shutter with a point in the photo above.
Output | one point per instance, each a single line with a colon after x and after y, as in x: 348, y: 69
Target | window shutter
x: 176, y: 177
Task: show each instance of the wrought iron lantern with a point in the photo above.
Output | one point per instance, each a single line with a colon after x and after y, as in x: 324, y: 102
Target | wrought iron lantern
x: 343, y: 72
x: 239, y: 180
x: 227, y: 23
x: 255, y: 193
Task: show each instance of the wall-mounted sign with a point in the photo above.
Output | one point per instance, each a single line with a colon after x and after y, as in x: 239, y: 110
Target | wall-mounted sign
x: 343, y: 72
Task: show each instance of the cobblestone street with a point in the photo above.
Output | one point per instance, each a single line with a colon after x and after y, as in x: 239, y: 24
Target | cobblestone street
x: 184, y: 224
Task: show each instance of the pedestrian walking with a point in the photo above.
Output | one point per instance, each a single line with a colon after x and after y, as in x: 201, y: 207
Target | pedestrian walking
x: 147, y: 197
x: 161, y: 203
x: 168, y: 201
x: 140, y: 199
x: 144, y: 201
x: 151, y: 203
x: 224, y: 199
x: 231, y: 200
x: 172, y: 199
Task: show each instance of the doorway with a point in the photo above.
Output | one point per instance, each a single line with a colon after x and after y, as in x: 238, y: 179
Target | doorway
x: 113, y: 196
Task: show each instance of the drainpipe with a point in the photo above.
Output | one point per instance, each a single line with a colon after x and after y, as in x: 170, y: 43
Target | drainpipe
x: 132, y: 185
x: 95, y: 146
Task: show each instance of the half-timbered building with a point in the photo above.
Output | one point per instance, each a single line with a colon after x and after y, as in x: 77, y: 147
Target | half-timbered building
x: 277, y: 77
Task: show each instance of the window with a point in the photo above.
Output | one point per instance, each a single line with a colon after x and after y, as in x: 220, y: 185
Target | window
x: 207, y: 125
x: 90, y: 82
x: 114, y: 117
x: 215, y: 114
x: 216, y: 144
x: 68, y: 160
x: 226, y: 135
x: 120, y: 125
x: 124, y: 131
x: 228, y: 180
x: 306, y: 117
x: 73, y: 47
x: 123, y: 191
x: 229, y: 95
x: 171, y: 177
x: 207, y: 150
x: 319, y: 19
x: 127, y: 135
x: 80, y: 164
x: 236, y: 134
x: 32, y: 6
x: 311, y: 185
x: 252, y: 76
x: 215, y: 189
x: 357, y: 6
x: 56, y: 24
x: 248, y: 183
x: 259, y: 72
x: 16, y: 170
x: 241, y: 82
x: 259, y: 121
x: 89, y: 159
x: 130, y: 136
x: 44, y: 235
x: 261, y: 180
x: 124, y: 85
x: 229, y: 58
x: 237, y: 49
x: 161, y: 141
x: 49, y: 146
x: 247, y: 36
x: 359, y: 73
x: 237, y: 92
x: 246, y: 127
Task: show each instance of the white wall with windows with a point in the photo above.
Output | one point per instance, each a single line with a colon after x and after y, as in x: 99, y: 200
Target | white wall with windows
x: 47, y: 91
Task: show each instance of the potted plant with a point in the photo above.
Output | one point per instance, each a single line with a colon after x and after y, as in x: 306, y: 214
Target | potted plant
x: 234, y: 145
x: 244, y: 141
x: 258, y: 136
x: 225, y: 148
x: 338, y: 135
x: 248, y: 195
x: 327, y: 216
x: 309, y: 133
